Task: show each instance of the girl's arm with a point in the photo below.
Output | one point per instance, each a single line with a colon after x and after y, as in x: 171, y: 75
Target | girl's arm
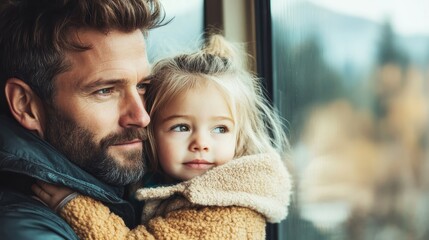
x: 92, y: 220
x: 89, y: 218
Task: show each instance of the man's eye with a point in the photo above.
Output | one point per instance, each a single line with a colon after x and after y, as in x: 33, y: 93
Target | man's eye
x: 104, y: 91
x: 220, y: 129
x: 142, y: 88
x: 180, y: 128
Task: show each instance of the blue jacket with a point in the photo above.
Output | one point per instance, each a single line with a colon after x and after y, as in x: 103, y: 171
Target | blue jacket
x: 25, y: 157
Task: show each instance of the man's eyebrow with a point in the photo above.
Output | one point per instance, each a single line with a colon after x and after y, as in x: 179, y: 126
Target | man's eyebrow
x: 102, y: 82
x: 148, y: 79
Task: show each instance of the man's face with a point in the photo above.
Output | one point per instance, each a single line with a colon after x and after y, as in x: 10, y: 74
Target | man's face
x: 98, y: 116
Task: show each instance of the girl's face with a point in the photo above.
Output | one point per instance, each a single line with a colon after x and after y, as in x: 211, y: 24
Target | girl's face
x: 194, y: 133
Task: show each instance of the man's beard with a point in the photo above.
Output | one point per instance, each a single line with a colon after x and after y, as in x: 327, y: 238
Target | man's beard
x: 77, y: 144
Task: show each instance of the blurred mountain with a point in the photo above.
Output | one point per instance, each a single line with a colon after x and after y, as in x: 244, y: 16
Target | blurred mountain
x: 349, y: 44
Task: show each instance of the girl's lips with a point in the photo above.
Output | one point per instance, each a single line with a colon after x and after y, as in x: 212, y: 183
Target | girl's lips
x: 199, y: 164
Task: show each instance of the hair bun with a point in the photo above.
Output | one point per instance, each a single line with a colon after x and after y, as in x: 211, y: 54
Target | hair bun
x: 230, y: 53
x: 218, y: 46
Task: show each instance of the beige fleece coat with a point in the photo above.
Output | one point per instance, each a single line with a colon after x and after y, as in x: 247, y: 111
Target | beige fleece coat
x: 232, y: 201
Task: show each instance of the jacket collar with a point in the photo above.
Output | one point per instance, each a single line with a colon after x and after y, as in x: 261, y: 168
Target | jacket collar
x: 23, y: 152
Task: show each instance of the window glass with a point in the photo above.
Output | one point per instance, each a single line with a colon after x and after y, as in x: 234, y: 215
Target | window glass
x: 351, y: 79
x: 183, y: 33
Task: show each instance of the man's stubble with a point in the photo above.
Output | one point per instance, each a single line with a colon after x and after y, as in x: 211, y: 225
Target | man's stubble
x: 78, y: 145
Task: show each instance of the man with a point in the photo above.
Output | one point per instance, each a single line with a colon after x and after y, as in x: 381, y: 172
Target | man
x: 72, y: 84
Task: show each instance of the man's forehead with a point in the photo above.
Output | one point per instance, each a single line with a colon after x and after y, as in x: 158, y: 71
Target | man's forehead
x: 111, y: 40
x: 80, y: 33
x: 112, y: 56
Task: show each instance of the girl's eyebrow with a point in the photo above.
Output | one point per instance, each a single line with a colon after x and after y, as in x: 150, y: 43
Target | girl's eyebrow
x: 171, y: 117
x: 175, y: 116
x: 223, y: 118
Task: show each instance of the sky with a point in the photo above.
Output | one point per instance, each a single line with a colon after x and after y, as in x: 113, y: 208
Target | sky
x: 407, y: 16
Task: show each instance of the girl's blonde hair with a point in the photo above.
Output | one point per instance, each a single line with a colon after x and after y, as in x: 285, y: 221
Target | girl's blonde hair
x: 259, y: 127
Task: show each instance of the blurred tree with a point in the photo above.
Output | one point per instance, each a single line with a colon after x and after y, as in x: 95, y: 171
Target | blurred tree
x: 305, y: 79
x: 388, y: 50
x: 392, y: 62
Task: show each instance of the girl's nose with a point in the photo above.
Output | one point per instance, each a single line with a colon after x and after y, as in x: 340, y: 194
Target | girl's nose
x: 199, y: 143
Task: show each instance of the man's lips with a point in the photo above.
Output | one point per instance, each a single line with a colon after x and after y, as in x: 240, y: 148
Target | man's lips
x: 129, y: 144
x: 199, y: 164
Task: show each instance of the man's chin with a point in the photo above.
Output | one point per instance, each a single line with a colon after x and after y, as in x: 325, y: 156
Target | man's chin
x: 119, y: 173
x: 126, y: 159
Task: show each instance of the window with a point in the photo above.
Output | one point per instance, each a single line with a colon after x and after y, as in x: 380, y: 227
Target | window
x: 183, y: 33
x: 351, y: 79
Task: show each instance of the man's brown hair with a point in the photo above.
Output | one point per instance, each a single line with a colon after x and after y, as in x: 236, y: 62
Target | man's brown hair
x: 34, y: 35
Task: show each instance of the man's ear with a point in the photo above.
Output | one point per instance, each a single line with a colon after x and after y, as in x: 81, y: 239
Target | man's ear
x: 25, y: 105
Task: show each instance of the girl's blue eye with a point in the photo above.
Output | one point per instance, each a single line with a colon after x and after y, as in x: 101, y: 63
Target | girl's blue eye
x: 180, y: 128
x: 221, y: 129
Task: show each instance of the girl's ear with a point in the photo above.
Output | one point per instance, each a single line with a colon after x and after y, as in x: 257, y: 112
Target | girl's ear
x: 25, y: 106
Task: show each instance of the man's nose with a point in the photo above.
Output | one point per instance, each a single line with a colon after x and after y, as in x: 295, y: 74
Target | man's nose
x: 134, y: 113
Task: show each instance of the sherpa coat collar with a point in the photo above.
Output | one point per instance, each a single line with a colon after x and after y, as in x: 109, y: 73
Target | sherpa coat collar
x: 259, y: 182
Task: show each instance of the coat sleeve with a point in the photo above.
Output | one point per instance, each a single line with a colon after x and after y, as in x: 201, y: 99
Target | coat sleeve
x: 23, y: 218
x: 209, y: 223
x: 32, y: 227
x: 92, y: 220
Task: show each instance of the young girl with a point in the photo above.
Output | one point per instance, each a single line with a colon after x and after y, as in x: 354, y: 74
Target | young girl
x: 214, y: 151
